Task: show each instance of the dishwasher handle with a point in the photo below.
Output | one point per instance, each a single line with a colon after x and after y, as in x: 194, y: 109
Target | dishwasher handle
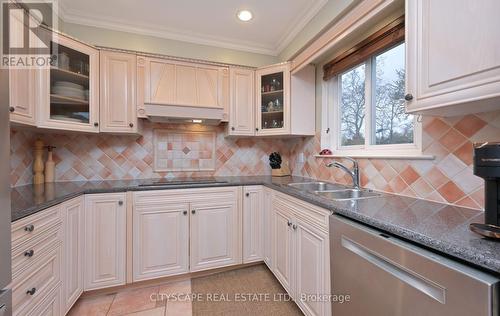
x: 431, y: 289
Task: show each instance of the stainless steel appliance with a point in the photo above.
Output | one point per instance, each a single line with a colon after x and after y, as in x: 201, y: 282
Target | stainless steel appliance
x: 487, y: 166
x: 5, y: 215
x: 387, y: 276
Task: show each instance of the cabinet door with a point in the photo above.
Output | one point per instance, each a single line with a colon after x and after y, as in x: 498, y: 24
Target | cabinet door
x: 253, y: 224
x: 69, y: 91
x: 282, y: 237
x: 105, y: 240
x: 215, y: 235
x: 312, y: 268
x: 22, y: 94
x: 208, y: 87
x: 241, y: 112
x: 73, y: 225
x: 160, y: 240
x: 268, y: 226
x: 118, y: 86
x: 272, y: 90
x: 452, y: 59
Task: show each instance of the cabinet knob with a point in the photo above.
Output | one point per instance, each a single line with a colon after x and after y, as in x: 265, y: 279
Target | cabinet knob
x: 29, y: 253
x: 31, y: 292
x: 247, y: 194
x: 289, y: 223
x: 294, y: 227
x: 408, y: 97
x: 256, y: 129
x: 96, y: 124
x: 131, y: 124
x: 193, y: 212
x: 232, y: 128
x: 29, y: 228
x: 12, y: 109
x: 185, y: 212
x: 120, y: 203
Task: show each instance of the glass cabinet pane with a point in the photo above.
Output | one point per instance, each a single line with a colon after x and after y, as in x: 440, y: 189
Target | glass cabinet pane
x: 272, y: 98
x: 69, y: 85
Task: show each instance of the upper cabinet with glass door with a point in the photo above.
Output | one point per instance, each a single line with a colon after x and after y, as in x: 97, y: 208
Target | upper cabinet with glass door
x: 285, y: 101
x: 273, y: 100
x: 69, y: 89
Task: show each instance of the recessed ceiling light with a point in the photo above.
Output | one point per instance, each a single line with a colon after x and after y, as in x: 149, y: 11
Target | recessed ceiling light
x: 244, y: 15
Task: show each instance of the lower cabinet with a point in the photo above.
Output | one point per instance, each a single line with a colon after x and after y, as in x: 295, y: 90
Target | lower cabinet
x: 215, y: 234
x: 73, y: 242
x: 253, y: 224
x: 160, y: 240
x: 267, y: 223
x: 300, y: 256
x: 105, y: 240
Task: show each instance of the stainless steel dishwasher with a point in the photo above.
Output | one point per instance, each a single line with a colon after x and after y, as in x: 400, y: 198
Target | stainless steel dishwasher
x: 387, y: 276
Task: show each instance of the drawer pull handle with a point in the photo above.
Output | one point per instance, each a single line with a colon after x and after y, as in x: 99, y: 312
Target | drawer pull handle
x: 31, y: 292
x: 431, y: 289
x: 29, y: 253
x: 29, y: 228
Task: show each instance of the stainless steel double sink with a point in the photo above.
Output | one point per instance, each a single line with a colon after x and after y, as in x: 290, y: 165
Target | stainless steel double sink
x: 334, y: 191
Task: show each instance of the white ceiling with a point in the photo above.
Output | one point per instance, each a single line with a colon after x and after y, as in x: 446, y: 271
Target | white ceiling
x: 208, y: 22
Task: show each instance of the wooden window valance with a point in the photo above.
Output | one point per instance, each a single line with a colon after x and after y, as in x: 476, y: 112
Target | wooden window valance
x: 390, y: 35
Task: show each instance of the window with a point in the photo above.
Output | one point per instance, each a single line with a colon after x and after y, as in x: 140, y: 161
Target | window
x: 366, y: 108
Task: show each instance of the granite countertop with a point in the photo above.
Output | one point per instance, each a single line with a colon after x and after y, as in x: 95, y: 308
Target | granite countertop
x: 439, y: 227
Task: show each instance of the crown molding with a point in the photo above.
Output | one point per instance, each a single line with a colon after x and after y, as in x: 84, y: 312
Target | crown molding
x: 299, y: 25
x: 68, y: 15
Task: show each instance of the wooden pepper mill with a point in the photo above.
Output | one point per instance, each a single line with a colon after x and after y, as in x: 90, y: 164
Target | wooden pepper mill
x: 38, y: 167
x: 49, y: 165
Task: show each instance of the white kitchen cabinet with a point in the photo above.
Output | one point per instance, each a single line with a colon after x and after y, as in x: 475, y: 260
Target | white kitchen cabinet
x: 215, y: 234
x: 73, y: 259
x: 118, y: 113
x: 22, y: 93
x: 284, y: 103
x: 105, y: 240
x: 242, y: 105
x: 253, y: 224
x: 453, y: 57
x: 283, y: 247
x: 268, y: 225
x: 68, y: 94
x: 311, y: 277
x: 300, y: 257
x: 170, y: 82
x: 160, y: 239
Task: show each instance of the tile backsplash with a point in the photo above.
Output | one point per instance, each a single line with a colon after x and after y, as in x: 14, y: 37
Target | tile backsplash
x: 81, y: 157
x: 448, y: 178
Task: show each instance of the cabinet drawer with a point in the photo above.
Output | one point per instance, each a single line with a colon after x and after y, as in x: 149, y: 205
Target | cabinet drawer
x: 31, y: 226
x: 43, y: 276
x: 27, y: 253
x: 50, y: 305
x: 314, y: 215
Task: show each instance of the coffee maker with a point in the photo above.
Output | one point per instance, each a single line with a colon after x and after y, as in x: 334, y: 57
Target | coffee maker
x: 487, y: 166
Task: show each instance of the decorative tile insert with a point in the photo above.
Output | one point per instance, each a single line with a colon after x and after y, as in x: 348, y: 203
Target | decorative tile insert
x: 184, y: 150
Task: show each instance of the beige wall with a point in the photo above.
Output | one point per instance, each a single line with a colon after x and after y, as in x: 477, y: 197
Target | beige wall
x: 150, y: 44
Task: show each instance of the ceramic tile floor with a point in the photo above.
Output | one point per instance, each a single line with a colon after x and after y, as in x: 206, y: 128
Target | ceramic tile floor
x: 148, y: 300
